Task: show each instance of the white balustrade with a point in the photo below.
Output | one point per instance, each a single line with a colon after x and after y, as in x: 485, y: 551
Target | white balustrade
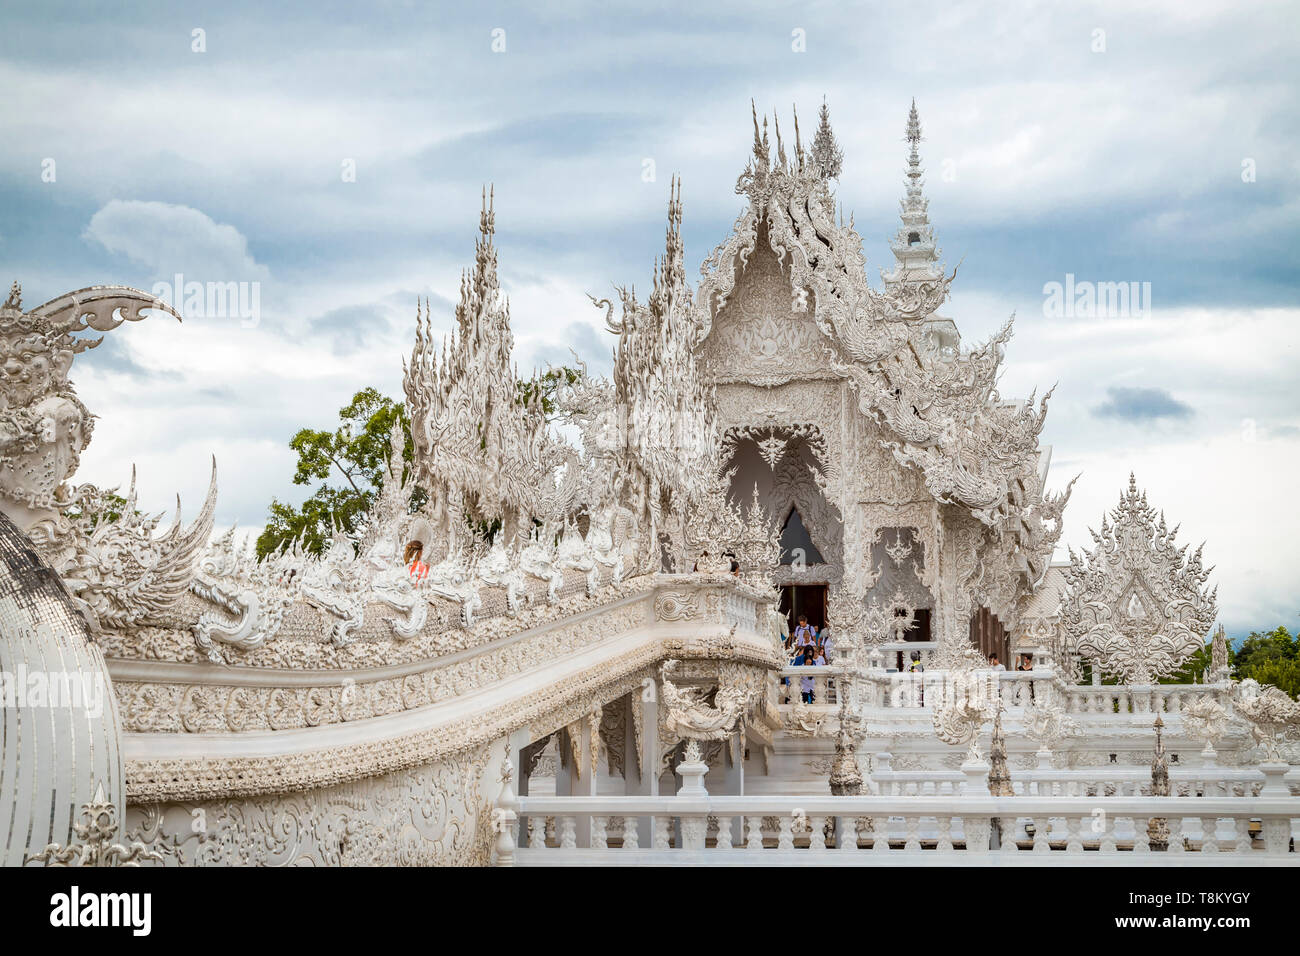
x: 1097, y: 782
x: 923, y: 829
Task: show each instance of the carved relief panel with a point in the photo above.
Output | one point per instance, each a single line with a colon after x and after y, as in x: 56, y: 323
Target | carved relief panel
x: 758, y: 338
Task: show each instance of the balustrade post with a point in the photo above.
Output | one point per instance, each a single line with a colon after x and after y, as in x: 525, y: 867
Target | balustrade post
x: 785, y: 833
x: 733, y: 785
x: 661, y: 832
x: 631, y: 838
x: 977, y: 777
x: 1209, y: 838
x: 694, y: 826
x: 912, y: 839
x: 1243, y: 841
x: 505, y: 818
x: 880, y: 834
x: 1141, y: 839
x: 1277, y: 835
x: 1275, y: 772
x: 944, y: 824
x: 1073, y: 836
x: 1041, y: 825
x: 1176, y: 842
x: 817, y: 835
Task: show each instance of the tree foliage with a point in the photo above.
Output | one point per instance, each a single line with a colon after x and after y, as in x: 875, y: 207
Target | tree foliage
x: 350, y: 462
x: 1270, y: 657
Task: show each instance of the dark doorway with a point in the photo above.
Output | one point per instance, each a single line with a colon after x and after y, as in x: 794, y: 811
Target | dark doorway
x: 988, y: 634
x: 807, y: 599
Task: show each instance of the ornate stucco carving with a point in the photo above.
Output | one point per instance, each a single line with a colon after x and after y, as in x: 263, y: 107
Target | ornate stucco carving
x: 1136, y: 604
x: 119, y: 573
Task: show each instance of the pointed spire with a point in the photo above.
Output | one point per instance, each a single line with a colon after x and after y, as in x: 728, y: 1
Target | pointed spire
x: 762, y: 160
x: 915, y: 251
x: 15, y: 300
x: 827, y: 156
x: 670, y: 271
x: 780, y: 147
x: 798, y: 145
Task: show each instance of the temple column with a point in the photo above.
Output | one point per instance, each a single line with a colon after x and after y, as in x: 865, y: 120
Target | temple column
x: 638, y: 766
x: 576, y: 777
x: 733, y: 782
x: 518, y: 747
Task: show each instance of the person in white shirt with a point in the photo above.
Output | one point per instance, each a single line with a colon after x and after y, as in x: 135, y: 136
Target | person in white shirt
x: 995, y: 663
x: 805, y: 635
x: 810, y: 659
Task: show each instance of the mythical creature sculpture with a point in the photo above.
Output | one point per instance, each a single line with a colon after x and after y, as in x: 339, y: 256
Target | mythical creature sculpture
x: 118, y: 573
x: 251, y: 596
x: 1273, y: 714
x: 958, y: 719
x: 1136, y: 604
x: 1047, y: 722
x: 538, y: 559
x: 803, y: 721
x: 500, y: 568
x: 1206, y: 719
x: 689, y: 716
x: 44, y: 427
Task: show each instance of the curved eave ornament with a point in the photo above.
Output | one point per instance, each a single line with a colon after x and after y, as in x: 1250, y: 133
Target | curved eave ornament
x: 100, y: 308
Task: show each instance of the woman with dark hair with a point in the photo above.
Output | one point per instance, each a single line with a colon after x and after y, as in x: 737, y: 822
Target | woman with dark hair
x: 413, y: 558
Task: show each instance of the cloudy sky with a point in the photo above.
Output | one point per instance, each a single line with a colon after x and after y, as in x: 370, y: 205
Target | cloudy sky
x: 1115, y: 142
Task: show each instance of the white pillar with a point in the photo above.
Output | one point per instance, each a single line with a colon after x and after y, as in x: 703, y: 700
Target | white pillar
x: 515, y: 745
x: 577, y: 780
x: 733, y: 783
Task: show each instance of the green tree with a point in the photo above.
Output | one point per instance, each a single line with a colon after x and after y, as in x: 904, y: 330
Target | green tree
x: 1258, y: 648
x: 547, y: 384
x: 351, y: 463
x: 1195, y: 667
x: 1270, y: 657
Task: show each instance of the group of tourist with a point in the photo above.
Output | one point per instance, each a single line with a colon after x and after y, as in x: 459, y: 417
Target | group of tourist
x: 809, y: 646
x: 1024, y: 663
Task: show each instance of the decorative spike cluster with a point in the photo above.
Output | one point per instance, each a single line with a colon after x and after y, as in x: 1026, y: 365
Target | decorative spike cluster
x: 827, y: 157
x: 478, y: 444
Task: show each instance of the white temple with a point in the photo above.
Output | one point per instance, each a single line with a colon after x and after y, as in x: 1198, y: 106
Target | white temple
x: 606, y: 676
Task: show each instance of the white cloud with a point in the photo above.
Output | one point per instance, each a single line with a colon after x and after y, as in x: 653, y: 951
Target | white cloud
x: 168, y: 239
